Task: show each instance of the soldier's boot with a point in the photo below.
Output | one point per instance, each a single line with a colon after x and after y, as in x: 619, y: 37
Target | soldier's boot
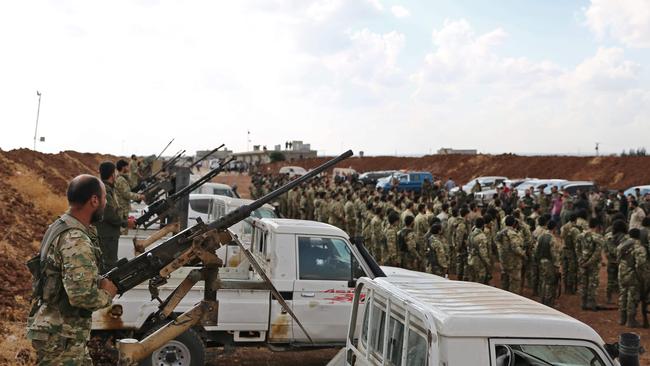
x: 623, y: 318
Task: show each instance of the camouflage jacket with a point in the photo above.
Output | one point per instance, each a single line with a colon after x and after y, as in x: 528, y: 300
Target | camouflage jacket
x: 113, y: 218
x: 589, y: 246
x: 75, y: 256
x: 478, y: 253
x: 124, y: 194
x: 632, y: 258
x: 510, y: 246
x: 612, y: 241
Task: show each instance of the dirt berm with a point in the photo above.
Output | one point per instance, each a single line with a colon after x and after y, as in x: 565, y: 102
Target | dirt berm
x: 607, y: 171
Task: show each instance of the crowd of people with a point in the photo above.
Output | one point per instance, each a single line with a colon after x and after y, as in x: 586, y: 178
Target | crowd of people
x: 544, y: 243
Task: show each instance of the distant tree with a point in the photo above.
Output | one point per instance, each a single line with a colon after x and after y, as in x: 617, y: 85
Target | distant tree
x: 623, y: 153
x: 632, y: 152
x: 276, y: 156
x: 641, y: 151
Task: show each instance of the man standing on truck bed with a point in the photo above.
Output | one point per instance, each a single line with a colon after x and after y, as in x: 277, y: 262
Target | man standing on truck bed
x: 66, y: 286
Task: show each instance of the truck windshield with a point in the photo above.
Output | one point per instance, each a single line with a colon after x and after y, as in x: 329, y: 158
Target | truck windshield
x: 540, y: 355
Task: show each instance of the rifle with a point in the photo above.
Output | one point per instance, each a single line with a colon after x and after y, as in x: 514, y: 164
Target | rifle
x: 162, y: 206
x: 156, y: 263
x: 206, y: 156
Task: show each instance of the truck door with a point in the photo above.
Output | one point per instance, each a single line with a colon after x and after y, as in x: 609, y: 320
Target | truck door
x: 323, y: 291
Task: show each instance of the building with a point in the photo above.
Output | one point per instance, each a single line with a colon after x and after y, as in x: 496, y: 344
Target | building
x: 293, y: 150
x: 221, y: 154
x: 450, y: 151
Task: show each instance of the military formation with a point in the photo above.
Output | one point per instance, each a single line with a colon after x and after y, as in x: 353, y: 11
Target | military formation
x: 542, y: 244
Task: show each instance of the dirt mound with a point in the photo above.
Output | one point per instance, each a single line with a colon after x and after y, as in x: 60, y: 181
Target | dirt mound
x: 607, y: 171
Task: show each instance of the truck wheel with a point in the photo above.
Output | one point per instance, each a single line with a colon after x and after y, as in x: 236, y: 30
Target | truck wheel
x: 187, y: 349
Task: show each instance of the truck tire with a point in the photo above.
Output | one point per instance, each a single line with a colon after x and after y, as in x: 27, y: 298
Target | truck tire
x: 187, y: 349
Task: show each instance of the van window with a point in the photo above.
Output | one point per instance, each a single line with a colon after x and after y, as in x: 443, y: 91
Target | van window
x: 395, y: 341
x: 201, y: 205
x: 535, y: 354
x: 377, y: 330
x: 417, y: 349
x: 222, y: 192
x: 325, y: 259
x: 364, y: 328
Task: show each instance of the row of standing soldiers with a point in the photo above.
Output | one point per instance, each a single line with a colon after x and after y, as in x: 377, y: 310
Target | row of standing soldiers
x: 444, y: 235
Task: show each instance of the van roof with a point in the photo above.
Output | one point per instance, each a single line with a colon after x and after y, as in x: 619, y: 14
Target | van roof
x: 227, y: 200
x: 291, y: 226
x: 469, y: 309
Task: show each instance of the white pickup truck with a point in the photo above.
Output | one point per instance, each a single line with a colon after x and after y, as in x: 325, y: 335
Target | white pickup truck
x: 416, y: 319
x: 313, y: 265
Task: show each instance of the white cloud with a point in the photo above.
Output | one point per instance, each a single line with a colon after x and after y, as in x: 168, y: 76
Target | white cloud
x: 627, y: 21
x: 400, y: 11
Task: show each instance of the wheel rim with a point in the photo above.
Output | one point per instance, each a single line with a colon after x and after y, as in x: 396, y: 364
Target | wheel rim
x: 174, y: 353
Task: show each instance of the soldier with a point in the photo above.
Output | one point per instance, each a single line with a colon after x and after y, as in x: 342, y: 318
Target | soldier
x: 527, y: 202
x: 113, y: 221
x: 337, y: 212
x: 392, y: 252
x: 589, y: 245
x: 406, y: 244
x: 123, y: 190
x: 303, y: 206
x: 360, y: 210
x: 613, y: 240
x: 134, y: 172
x: 420, y: 227
x: 408, y: 211
x: 548, y: 252
x: 631, y: 258
x: 318, y: 203
x: 510, y: 246
x: 436, y: 252
x: 478, y: 256
x: 636, y: 215
x: 569, y: 234
x: 452, y: 223
x: 367, y: 236
x: 67, y: 287
x: 350, y: 216
x: 460, y: 243
x: 377, y: 237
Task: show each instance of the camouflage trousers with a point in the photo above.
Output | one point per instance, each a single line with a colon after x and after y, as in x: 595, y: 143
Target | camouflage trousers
x: 54, y: 350
x: 461, y: 263
x: 477, y: 273
x: 548, y: 282
x: 437, y: 270
x: 532, y: 275
x: 570, y: 271
x: 351, y: 228
x: 588, y: 279
x: 612, y: 278
x: 511, y: 278
x: 628, y: 298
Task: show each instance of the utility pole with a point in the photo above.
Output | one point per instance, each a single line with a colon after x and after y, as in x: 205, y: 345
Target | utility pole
x: 597, y: 146
x: 248, y: 140
x: 38, y: 111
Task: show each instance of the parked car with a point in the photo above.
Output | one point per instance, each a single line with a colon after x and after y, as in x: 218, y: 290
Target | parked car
x: 217, y: 188
x: 632, y: 190
x: 485, y: 182
x: 411, y: 181
x: 370, y: 178
x: 537, y: 185
x: 293, y: 171
x: 573, y: 187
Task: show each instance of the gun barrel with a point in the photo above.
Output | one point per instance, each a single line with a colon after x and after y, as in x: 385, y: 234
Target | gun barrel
x: 204, y: 179
x: 245, y: 211
x: 165, y: 149
x: 206, y: 156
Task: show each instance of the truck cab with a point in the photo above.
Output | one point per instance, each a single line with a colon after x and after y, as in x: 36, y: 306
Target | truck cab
x: 313, y: 265
x: 409, y: 181
x: 426, y: 320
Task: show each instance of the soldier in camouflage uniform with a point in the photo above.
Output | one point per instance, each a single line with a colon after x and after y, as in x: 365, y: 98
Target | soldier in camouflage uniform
x: 377, y: 237
x: 123, y: 189
x: 67, y: 287
x: 407, y: 245
x: 613, y: 240
x: 134, y: 172
x: 437, y: 252
x: 460, y: 243
x: 589, y: 245
x: 108, y: 230
x: 392, y: 257
x: 569, y: 233
x: 632, y: 258
x: 337, y: 212
x: 350, y: 217
x: 510, y: 246
x: 420, y: 227
x: 478, y: 256
x: 548, y: 253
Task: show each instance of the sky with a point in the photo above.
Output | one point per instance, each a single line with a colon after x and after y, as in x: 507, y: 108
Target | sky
x: 378, y: 76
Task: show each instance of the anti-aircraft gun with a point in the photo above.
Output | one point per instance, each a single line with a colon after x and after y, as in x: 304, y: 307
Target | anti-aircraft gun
x: 193, y: 246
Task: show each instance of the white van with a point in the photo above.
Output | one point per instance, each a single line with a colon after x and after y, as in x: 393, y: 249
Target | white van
x: 425, y: 320
x: 293, y: 171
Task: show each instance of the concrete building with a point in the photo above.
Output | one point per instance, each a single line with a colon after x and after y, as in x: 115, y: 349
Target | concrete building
x: 293, y: 150
x: 221, y: 154
x: 450, y: 151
